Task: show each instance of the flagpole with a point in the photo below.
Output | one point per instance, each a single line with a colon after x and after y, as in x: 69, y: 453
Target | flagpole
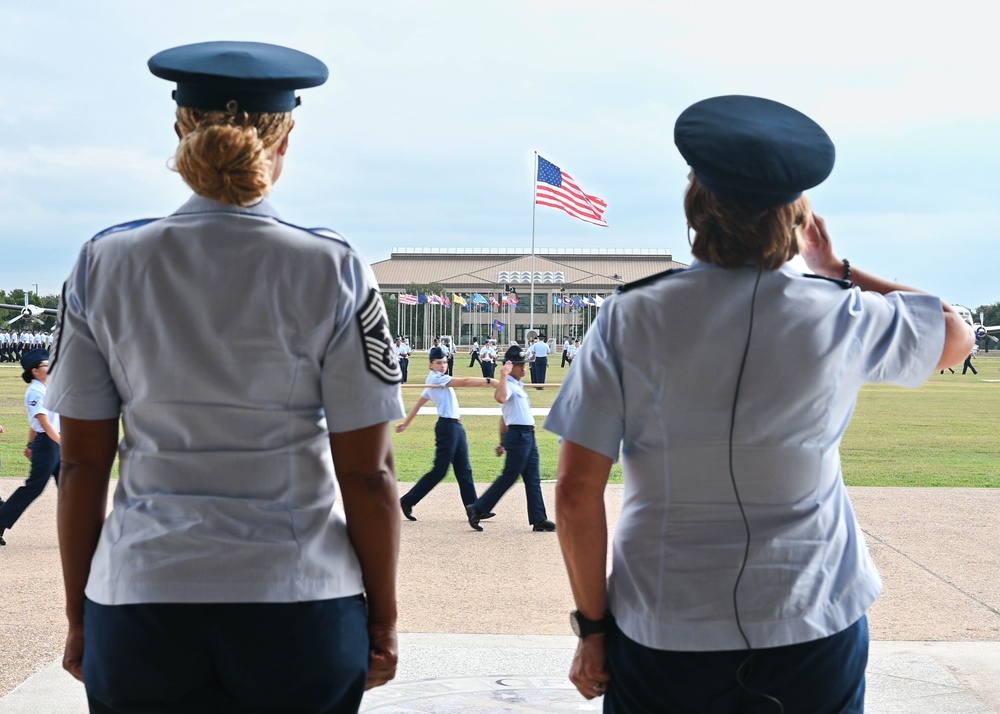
x: 534, y: 198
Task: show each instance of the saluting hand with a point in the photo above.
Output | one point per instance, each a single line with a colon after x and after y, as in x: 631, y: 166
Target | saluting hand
x: 816, y: 247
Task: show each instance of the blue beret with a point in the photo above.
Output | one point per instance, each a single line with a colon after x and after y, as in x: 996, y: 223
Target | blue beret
x: 258, y: 76
x: 753, y: 150
x: 437, y: 353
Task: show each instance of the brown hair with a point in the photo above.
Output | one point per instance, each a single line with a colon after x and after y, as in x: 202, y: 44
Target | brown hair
x: 732, y: 234
x: 226, y: 155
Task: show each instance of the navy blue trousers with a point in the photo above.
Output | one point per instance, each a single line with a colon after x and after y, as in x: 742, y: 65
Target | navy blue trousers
x: 299, y: 658
x: 541, y: 367
x: 44, y: 463
x: 825, y: 676
x: 451, y: 449
x: 522, y: 460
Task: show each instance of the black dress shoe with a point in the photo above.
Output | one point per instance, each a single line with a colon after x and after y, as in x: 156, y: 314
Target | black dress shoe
x: 407, y: 510
x: 546, y: 525
x: 474, y: 517
x: 2, y: 541
x: 486, y: 516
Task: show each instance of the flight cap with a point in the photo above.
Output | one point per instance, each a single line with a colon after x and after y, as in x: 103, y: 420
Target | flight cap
x: 436, y: 353
x: 31, y: 358
x: 753, y: 150
x: 259, y: 77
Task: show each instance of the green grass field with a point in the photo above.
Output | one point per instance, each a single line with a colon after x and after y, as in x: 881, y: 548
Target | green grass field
x: 943, y: 434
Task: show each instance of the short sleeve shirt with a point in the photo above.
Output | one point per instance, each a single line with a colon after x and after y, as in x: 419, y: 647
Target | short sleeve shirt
x: 34, y: 402
x: 231, y: 344
x: 666, y: 405
x: 517, y: 408
x: 442, y: 395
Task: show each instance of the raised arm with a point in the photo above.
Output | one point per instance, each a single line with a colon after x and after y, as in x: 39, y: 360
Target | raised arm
x: 817, y: 250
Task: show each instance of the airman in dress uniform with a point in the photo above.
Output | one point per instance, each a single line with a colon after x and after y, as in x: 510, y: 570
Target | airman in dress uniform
x: 250, y: 557
x: 741, y: 577
x: 517, y: 442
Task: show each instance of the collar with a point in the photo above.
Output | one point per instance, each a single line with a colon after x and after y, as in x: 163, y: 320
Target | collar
x: 200, y: 204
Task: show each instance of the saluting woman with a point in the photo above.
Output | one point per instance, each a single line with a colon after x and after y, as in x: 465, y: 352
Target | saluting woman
x: 232, y: 573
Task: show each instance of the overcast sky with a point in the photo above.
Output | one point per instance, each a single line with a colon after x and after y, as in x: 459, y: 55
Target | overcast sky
x: 425, y: 133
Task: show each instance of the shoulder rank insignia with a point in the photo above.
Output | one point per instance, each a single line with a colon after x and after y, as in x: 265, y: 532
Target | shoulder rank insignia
x: 380, y: 355
x: 845, y: 284
x: 648, y: 279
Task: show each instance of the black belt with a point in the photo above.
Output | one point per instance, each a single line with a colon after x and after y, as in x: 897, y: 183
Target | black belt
x: 520, y: 427
x: 447, y: 419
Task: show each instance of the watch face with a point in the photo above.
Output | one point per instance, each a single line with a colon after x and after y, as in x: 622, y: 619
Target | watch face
x: 574, y: 623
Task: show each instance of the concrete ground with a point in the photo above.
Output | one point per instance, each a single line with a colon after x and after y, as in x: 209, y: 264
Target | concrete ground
x: 483, y: 616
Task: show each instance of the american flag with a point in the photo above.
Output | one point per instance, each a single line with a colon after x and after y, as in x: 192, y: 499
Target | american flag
x: 405, y: 299
x: 557, y: 189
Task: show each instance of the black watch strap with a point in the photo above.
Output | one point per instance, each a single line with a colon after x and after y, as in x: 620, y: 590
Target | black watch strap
x: 584, y: 627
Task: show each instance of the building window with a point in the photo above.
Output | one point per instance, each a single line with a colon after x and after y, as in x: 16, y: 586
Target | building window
x: 541, y: 302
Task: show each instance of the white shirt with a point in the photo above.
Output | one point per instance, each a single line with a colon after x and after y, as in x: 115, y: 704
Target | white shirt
x: 232, y: 344
x: 517, y: 408
x: 444, y: 398
x: 680, y: 539
x: 541, y: 349
x: 34, y: 402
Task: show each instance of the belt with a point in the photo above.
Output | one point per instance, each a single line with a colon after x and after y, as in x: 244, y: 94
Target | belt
x: 521, y: 427
x: 447, y: 419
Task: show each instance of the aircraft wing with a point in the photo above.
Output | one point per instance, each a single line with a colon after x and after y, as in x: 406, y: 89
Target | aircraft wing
x: 29, y: 312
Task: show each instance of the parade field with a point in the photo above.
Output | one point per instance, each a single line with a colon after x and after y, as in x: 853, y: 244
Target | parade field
x: 942, y: 434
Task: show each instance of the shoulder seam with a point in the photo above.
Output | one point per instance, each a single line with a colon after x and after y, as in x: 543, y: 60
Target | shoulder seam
x: 843, y: 284
x: 649, y: 279
x: 125, y: 227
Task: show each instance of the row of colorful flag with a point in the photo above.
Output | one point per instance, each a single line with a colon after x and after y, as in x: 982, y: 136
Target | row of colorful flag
x: 475, y: 299
x: 577, y: 300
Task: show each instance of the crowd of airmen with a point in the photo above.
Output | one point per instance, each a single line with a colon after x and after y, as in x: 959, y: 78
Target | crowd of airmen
x: 13, y: 343
x: 485, y: 354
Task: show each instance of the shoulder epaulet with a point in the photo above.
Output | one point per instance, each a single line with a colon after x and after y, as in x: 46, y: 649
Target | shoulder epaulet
x: 320, y: 232
x: 844, y: 284
x: 124, y: 227
x: 648, y: 279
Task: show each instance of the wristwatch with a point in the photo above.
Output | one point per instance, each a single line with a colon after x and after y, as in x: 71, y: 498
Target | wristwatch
x: 583, y: 628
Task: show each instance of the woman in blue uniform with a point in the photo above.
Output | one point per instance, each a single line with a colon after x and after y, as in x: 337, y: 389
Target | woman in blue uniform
x: 43, y: 441
x: 235, y: 572
x: 451, y: 447
x: 740, y: 576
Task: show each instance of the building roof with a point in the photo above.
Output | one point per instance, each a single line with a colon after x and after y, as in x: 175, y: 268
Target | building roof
x: 583, y: 269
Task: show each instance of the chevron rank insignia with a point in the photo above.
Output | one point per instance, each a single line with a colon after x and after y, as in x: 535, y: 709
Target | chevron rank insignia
x: 380, y: 354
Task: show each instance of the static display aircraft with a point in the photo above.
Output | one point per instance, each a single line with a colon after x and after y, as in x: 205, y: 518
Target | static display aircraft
x: 982, y: 331
x: 31, y: 313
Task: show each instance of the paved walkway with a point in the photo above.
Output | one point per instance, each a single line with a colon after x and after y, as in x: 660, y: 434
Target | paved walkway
x: 935, y: 631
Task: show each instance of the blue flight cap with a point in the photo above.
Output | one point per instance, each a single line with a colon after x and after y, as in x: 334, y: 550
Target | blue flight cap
x: 436, y: 353
x: 259, y: 77
x: 753, y: 150
x: 33, y: 357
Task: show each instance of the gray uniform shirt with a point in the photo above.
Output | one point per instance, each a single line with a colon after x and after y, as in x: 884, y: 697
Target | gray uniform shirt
x: 667, y: 403
x: 231, y: 344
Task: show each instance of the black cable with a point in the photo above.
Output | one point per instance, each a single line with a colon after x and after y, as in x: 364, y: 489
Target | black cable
x: 744, y: 672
